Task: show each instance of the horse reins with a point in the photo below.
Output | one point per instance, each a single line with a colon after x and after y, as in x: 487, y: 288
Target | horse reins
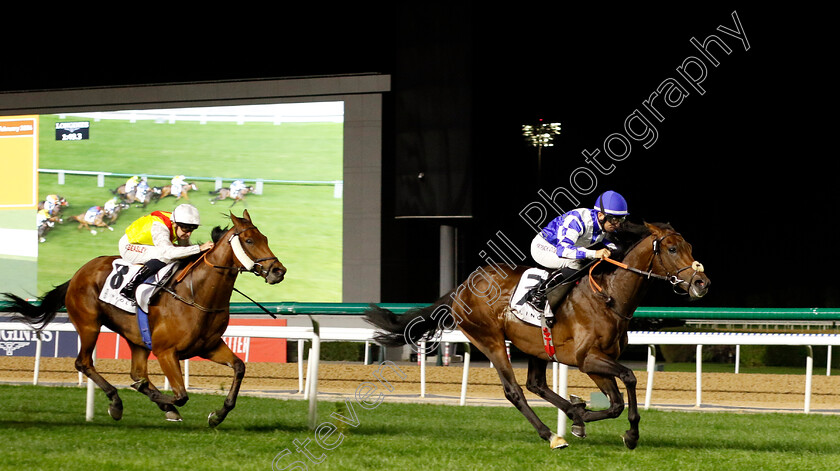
x: 243, y: 258
x: 673, y: 279
x: 240, y: 255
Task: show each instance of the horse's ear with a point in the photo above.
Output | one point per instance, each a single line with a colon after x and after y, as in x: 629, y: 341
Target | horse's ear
x: 654, y: 230
x: 247, y: 216
x: 233, y: 218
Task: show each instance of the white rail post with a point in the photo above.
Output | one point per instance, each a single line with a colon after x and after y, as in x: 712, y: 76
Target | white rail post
x: 561, y: 387
x: 89, y: 401
x: 737, y: 359
x: 809, y: 370
x: 466, y: 374
x: 651, y: 366
x: 308, y: 376
x: 828, y: 362
x: 422, y: 355
x: 314, y: 355
x: 699, y: 375
x: 38, y: 346
x: 300, y: 365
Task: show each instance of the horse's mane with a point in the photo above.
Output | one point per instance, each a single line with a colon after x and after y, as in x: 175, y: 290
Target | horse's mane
x: 630, y: 234
x: 217, y: 233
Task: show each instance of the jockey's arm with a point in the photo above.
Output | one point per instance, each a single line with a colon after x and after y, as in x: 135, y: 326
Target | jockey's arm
x: 567, y: 249
x: 162, y: 239
x: 568, y: 234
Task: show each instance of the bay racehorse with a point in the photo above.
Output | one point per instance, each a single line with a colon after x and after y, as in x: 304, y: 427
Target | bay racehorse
x: 589, y: 332
x: 224, y: 193
x: 87, y: 219
x: 166, y: 190
x: 187, y: 318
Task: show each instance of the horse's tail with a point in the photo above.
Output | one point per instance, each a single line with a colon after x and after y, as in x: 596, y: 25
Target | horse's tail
x: 42, y: 313
x: 411, y: 327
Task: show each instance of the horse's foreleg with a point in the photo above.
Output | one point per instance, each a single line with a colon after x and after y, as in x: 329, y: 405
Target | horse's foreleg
x: 142, y: 383
x: 603, y: 371
x: 222, y: 355
x: 84, y: 363
x: 516, y: 396
x: 537, y: 384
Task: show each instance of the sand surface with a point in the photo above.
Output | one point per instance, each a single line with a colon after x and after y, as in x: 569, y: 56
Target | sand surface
x: 443, y: 384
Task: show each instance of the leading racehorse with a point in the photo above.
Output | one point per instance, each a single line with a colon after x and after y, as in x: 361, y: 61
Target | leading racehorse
x: 187, y: 319
x: 590, y: 329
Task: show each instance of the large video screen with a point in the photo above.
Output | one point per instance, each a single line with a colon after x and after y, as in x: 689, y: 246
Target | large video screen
x: 287, y: 156
x: 309, y: 148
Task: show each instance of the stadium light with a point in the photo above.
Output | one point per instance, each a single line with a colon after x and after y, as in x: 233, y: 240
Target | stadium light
x: 539, y: 136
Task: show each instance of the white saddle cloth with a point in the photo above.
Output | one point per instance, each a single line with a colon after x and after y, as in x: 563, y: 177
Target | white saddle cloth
x: 522, y: 310
x: 121, y: 273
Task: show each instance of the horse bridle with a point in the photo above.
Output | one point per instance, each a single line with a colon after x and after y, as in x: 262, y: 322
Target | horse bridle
x: 252, y: 266
x: 674, y: 279
x: 242, y: 257
x: 248, y: 265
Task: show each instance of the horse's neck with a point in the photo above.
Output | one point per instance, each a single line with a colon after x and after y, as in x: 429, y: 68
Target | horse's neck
x: 219, y: 281
x: 628, y: 288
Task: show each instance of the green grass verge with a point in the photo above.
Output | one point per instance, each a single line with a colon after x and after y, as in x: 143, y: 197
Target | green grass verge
x: 44, y: 428
x: 302, y: 223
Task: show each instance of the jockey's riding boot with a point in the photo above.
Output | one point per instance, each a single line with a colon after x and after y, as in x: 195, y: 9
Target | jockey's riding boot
x: 148, y: 269
x: 539, y: 295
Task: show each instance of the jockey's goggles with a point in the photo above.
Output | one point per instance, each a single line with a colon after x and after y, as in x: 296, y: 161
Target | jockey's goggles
x: 188, y: 227
x: 615, y: 219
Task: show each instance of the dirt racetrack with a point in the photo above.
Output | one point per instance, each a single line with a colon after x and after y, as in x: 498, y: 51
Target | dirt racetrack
x: 443, y: 384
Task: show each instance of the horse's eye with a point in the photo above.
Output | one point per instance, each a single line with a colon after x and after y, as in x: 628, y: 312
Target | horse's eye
x: 672, y: 249
x: 249, y: 241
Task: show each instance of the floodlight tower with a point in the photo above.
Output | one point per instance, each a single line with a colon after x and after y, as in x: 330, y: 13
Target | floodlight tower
x: 540, y: 135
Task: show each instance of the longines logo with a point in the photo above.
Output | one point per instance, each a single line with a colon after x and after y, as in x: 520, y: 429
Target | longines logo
x: 11, y: 340
x: 10, y: 347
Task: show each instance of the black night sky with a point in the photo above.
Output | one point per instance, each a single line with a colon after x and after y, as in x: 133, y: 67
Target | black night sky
x: 745, y: 171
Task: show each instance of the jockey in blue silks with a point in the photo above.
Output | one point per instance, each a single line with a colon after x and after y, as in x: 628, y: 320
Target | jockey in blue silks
x: 563, y: 244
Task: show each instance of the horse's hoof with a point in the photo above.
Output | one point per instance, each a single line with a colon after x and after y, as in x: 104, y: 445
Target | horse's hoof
x: 172, y: 416
x: 213, y: 420
x: 579, y: 431
x: 115, y: 412
x: 557, y: 442
x: 574, y: 400
x: 630, y: 439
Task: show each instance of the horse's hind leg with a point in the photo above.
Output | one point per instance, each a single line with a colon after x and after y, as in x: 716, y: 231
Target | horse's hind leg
x: 536, y: 383
x: 84, y: 363
x: 514, y: 394
x: 140, y: 375
x: 222, y: 355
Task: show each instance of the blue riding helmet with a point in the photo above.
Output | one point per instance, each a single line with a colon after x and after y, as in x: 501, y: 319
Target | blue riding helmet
x: 611, y: 203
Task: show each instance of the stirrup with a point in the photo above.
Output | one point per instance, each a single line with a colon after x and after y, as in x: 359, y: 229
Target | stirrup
x: 534, y: 301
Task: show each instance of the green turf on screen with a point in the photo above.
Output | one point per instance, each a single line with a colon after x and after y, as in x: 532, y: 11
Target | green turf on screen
x: 303, y: 223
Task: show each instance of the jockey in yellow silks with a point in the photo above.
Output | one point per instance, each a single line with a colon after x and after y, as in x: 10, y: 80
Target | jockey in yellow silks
x: 131, y: 184
x: 157, y: 239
